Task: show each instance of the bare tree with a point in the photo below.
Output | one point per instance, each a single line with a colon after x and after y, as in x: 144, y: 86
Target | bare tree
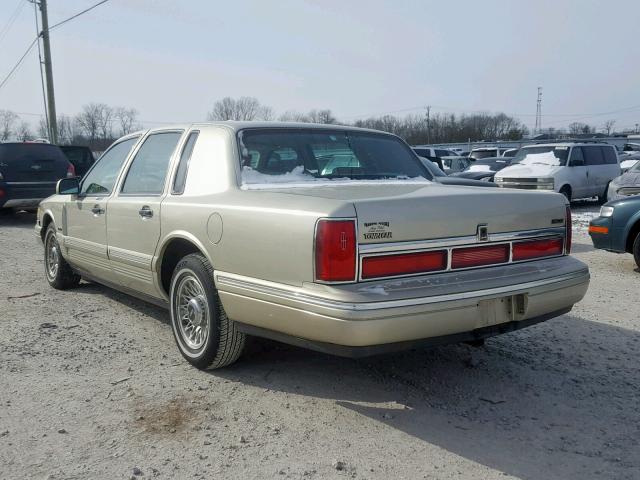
x: 313, y: 116
x: 576, y: 128
x: 127, y: 119
x: 106, y: 122
x: 608, y: 126
x: 90, y: 120
x: 23, y: 132
x: 321, y: 116
x: 8, y: 121
x: 292, y: 116
x: 243, y: 108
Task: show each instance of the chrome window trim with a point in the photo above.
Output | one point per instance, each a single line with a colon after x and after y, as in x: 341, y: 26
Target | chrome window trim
x: 126, y: 167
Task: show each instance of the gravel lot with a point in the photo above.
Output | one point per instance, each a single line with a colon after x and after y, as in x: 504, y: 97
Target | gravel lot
x: 92, y: 386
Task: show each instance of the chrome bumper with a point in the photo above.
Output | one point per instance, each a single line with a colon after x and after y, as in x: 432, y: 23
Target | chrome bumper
x: 408, y: 309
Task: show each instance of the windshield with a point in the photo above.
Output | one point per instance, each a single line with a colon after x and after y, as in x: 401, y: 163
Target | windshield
x: 300, y: 155
x: 548, y: 155
x: 432, y: 167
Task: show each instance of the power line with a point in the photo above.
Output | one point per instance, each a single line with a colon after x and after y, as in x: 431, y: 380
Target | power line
x: 15, y: 67
x: 77, y: 15
x: 12, y: 19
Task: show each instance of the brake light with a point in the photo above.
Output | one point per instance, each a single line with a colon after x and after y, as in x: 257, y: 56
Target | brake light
x: 335, y: 245
x: 536, y: 249
x: 568, y: 232
x: 1, y: 193
x: 71, y: 171
x: 479, y: 256
x: 404, y: 264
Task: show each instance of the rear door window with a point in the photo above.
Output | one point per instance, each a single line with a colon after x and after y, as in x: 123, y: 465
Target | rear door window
x: 593, y: 155
x: 148, y: 170
x: 610, y: 155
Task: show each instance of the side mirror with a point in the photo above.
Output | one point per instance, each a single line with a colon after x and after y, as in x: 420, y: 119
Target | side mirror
x: 68, y: 186
x: 577, y: 163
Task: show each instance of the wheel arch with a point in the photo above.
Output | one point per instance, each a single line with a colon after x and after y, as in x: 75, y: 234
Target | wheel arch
x: 631, y: 232
x: 47, y: 219
x: 567, y: 186
x: 175, y: 247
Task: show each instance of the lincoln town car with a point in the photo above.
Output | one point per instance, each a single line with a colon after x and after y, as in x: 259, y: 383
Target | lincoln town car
x: 332, y: 238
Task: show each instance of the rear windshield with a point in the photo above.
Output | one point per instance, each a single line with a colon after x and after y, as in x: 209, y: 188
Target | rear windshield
x: 492, y: 165
x: 27, y: 152
x: 548, y: 155
x: 478, y: 154
x: 293, y: 156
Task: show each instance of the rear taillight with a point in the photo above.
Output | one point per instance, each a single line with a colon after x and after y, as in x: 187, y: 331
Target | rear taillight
x: 479, y: 256
x: 71, y: 171
x: 568, y: 231
x: 335, y: 245
x: 537, y: 248
x: 403, y: 264
x: 1, y: 193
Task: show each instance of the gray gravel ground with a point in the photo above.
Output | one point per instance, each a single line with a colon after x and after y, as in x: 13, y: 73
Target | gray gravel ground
x: 92, y: 387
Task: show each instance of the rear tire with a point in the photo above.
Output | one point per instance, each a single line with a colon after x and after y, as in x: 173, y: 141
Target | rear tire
x: 602, y: 199
x: 566, y: 191
x: 636, y: 249
x: 58, y: 272
x: 205, y: 336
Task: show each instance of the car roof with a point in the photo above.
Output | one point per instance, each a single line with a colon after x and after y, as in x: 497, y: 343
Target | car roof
x: 241, y: 125
x: 569, y: 144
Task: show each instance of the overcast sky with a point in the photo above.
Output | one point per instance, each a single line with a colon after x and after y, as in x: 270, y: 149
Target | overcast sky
x: 172, y: 59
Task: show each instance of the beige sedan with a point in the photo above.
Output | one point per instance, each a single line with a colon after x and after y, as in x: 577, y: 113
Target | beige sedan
x: 332, y: 238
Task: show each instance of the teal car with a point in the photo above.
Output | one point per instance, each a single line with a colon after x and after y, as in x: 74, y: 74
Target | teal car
x: 617, y: 229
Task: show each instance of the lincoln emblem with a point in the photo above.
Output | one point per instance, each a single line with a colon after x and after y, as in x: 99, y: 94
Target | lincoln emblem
x: 482, y: 233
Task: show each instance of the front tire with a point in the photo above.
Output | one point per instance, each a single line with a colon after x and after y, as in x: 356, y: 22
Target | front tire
x: 205, y: 336
x: 604, y: 198
x: 566, y: 191
x: 58, y: 272
x: 636, y: 249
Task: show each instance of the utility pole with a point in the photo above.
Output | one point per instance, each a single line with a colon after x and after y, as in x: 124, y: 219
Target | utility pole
x: 51, y: 101
x: 539, y: 111
x: 428, y: 125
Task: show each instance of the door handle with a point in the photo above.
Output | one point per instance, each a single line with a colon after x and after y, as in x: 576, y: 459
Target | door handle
x: 145, y: 212
x: 96, y: 210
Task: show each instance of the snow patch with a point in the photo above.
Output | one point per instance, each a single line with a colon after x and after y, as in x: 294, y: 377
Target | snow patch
x: 627, y: 164
x: 545, y: 158
x: 297, y: 178
x: 479, y: 168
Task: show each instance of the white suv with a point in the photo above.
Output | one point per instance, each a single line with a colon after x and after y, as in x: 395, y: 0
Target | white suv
x: 578, y: 170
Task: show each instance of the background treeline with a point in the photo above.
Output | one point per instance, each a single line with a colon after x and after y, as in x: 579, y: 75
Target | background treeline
x: 98, y: 124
